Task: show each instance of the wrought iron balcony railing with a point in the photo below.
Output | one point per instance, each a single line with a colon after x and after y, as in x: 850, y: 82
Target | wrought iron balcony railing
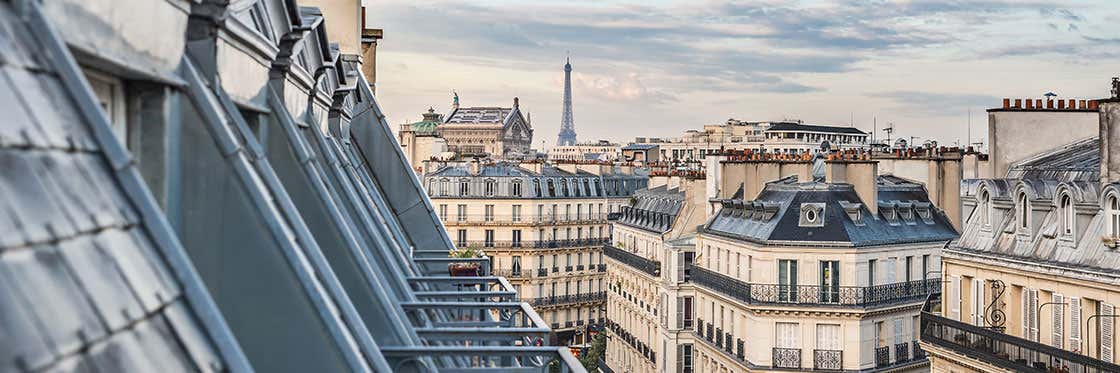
x: 1003, y: 350
x: 828, y: 359
x: 789, y: 358
x: 452, y: 219
x: 557, y: 300
x: 650, y: 267
x: 533, y: 244
x: 882, y: 356
x: 849, y: 296
x: 917, y: 351
x: 901, y: 352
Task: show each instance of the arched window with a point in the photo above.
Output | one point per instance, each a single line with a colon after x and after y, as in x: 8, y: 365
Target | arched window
x: 537, y: 187
x: 985, y: 208
x: 1065, y: 206
x: 1024, y: 211
x: 1113, y: 216
x: 551, y: 188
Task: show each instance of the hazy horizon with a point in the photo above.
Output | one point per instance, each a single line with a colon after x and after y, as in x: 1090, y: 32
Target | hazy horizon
x: 660, y: 68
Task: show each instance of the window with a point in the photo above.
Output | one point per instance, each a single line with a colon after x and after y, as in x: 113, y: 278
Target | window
x: 830, y: 281
x: 490, y: 186
x: 1066, y: 208
x: 111, y: 96
x: 1113, y: 216
x: 909, y: 268
x: 567, y: 212
x: 443, y: 212
x: 828, y: 337
x: 461, y: 238
x: 684, y: 358
x: 516, y: 266
x: 516, y: 215
x: 464, y: 187
x: 461, y: 210
x: 488, y: 212
x: 579, y: 211
x: 516, y: 188
x: 489, y: 238
x: 785, y: 335
x: 985, y: 208
x: 880, y: 334
x: 516, y: 238
x: 787, y: 280
x: 871, y: 272
x: 1024, y: 211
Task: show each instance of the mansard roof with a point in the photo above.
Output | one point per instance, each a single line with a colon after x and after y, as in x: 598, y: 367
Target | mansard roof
x: 778, y: 215
x: 478, y: 115
x: 653, y: 209
x: 789, y: 126
x: 1079, y: 160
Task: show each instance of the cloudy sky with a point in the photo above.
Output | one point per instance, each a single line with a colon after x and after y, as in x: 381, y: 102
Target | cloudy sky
x: 657, y: 68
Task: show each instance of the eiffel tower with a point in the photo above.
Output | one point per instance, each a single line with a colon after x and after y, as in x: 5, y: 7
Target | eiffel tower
x: 567, y: 126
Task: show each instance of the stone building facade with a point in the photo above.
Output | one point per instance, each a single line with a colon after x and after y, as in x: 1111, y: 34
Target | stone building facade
x: 543, y: 227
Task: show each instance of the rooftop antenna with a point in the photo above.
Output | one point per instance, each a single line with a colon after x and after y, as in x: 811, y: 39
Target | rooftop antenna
x: 889, y: 130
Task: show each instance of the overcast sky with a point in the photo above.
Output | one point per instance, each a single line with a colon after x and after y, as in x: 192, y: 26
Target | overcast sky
x: 657, y: 68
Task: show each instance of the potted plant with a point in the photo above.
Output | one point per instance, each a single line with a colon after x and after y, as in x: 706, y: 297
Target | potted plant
x: 464, y: 268
x: 1109, y: 241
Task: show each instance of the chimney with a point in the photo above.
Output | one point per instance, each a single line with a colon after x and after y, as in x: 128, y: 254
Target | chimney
x: 1006, y: 103
x: 862, y: 175
x: 474, y: 167
x: 1109, y: 111
x: 1019, y: 103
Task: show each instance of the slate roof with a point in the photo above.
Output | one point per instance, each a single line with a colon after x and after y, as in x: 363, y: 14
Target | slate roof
x: 775, y: 216
x: 1079, y: 160
x: 639, y: 147
x: 84, y: 286
x: 787, y: 126
x: 478, y: 115
x: 654, y: 209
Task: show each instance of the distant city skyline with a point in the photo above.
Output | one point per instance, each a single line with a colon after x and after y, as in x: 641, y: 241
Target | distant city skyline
x: 657, y: 70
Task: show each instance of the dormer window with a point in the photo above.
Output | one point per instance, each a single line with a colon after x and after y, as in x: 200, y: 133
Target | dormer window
x: 924, y: 211
x: 516, y: 188
x: 1024, y: 211
x: 1065, y: 207
x: 889, y: 212
x: 985, y: 208
x: 812, y: 215
x: 854, y: 211
x: 906, y: 212
x: 464, y: 187
x: 1113, y: 216
x: 490, y: 187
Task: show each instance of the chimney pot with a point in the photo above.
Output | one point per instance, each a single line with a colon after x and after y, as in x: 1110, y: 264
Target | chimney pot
x: 1019, y: 103
x: 1061, y: 104
x: 1049, y: 104
x: 1092, y: 104
x: 1071, y: 104
x: 1006, y: 103
x: 1080, y: 104
x: 1038, y: 103
x: 1030, y: 104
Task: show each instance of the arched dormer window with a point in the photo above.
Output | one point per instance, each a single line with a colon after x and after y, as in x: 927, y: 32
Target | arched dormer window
x: 537, y: 187
x: 444, y: 186
x: 551, y: 188
x: 1024, y: 211
x: 516, y: 188
x: 985, y: 209
x: 564, y: 188
x: 1113, y: 211
x: 464, y: 187
x: 1065, y: 207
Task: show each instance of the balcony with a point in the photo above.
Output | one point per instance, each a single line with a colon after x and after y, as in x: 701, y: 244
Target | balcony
x: 650, y: 267
x: 517, y: 220
x: 812, y: 295
x: 1002, y: 350
x: 901, y: 352
x: 882, y: 356
x: 539, y: 244
x: 788, y: 358
x: 828, y: 359
x: 559, y: 300
x: 602, y: 267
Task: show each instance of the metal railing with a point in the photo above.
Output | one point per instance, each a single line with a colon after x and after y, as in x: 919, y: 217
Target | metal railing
x: 452, y: 219
x: 1003, y: 350
x: 882, y: 356
x: 901, y: 352
x: 917, y: 351
x: 828, y: 359
x: 789, y: 358
x: 650, y: 267
x: 568, y: 299
x: 854, y: 296
x: 533, y: 244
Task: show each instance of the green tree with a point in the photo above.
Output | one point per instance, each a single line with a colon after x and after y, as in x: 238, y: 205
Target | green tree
x: 590, y: 359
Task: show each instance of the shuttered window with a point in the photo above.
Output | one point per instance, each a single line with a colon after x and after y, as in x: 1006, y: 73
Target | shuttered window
x: 1034, y: 314
x: 1108, y: 330
x: 978, y: 302
x: 1057, y: 319
x: 955, y: 298
x: 1075, y: 324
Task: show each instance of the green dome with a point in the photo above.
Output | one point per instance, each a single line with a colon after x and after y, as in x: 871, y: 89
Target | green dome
x: 424, y: 127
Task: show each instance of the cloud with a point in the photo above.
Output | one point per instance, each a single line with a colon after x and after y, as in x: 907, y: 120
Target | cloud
x: 628, y: 87
x: 938, y: 104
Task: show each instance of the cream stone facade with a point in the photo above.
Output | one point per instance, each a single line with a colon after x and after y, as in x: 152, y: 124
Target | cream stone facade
x: 779, y: 137
x: 543, y: 227
x: 704, y: 276
x: 1032, y: 285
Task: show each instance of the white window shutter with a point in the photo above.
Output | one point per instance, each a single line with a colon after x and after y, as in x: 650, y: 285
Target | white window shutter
x: 955, y: 298
x: 680, y: 267
x: 1075, y: 324
x: 1058, y: 321
x: 1034, y: 315
x: 1025, y: 298
x: 680, y: 313
x: 974, y: 302
x: 1108, y: 330
x: 980, y: 302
